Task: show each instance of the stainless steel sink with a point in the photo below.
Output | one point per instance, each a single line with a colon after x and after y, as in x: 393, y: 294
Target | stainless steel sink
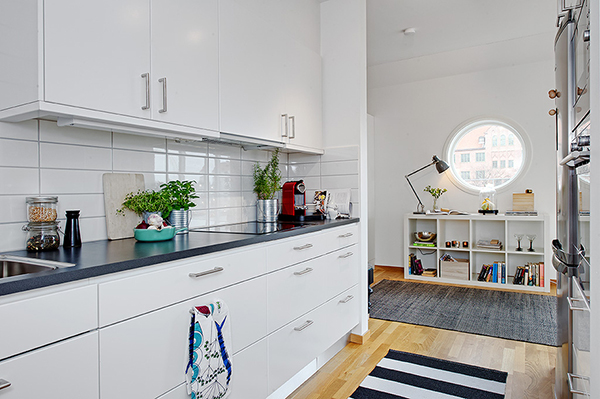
x: 16, y: 265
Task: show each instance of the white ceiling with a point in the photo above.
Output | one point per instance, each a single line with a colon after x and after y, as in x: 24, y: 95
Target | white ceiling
x: 449, y: 25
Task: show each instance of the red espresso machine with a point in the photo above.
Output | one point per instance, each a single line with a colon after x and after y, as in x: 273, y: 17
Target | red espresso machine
x: 293, y: 201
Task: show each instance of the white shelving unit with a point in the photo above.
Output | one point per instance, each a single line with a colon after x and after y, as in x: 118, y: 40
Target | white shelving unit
x: 472, y: 228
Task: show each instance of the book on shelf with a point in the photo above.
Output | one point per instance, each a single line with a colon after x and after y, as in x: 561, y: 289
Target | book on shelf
x: 423, y: 244
x: 430, y: 272
x: 531, y: 274
x: 493, y: 273
x: 445, y: 211
x: 521, y: 213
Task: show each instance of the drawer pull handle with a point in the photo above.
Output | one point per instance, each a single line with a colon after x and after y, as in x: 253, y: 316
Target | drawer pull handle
x: 4, y: 384
x: 307, y: 270
x: 571, y: 377
x: 345, y: 235
x: 303, y: 326
x: 347, y: 299
x: 573, y: 301
x: 346, y: 255
x: 200, y: 274
x: 305, y: 246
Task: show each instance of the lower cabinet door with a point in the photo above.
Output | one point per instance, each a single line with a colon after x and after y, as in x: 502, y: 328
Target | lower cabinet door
x: 68, y: 369
x: 146, y: 356
x: 295, y: 345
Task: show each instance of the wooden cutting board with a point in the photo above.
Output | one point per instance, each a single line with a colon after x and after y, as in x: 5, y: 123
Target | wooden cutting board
x: 116, y: 186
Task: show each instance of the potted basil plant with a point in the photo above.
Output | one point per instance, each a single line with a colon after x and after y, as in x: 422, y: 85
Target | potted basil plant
x: 145, y: 203
x: 179, y: 195
x: 267, y: 182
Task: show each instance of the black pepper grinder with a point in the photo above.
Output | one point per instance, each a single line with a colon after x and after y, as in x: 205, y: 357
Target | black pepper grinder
x: 72, y: 233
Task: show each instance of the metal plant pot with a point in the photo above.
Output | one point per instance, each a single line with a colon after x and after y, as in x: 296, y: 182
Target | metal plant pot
x: 267, y: 210
x: 180, y: 219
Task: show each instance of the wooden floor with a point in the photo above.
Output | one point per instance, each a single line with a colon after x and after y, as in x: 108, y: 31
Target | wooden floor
x: 530, y: 367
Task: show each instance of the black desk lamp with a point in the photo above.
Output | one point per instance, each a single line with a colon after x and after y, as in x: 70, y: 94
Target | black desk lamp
x: 441, y: 167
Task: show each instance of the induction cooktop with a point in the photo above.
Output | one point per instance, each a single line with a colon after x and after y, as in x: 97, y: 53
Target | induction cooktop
x: 253, y: 227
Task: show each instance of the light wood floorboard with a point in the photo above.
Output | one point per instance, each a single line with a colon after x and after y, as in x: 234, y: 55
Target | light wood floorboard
x: 530, y: 367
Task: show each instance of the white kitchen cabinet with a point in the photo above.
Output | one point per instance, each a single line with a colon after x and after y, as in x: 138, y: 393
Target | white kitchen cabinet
x: 270, y: 83
x: 68, y: 369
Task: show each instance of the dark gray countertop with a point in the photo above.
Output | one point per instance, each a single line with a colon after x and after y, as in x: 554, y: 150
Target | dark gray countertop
x: 99, y: 258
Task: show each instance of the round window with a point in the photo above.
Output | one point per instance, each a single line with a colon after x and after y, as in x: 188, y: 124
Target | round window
x: 486, y: 152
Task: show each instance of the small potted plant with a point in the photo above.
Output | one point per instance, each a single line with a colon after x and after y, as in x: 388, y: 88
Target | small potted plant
x: 179, y: 195
x: 147, y: 202
x: 436, y: 193
x: 267, y: 182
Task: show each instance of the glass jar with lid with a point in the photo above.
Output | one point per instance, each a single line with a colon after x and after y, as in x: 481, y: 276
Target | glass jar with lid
x: 41, y: 209
x: 42, y: 236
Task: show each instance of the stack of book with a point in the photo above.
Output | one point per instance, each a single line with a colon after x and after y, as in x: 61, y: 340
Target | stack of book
x: 430, y: 272
x: 489, y: 244
x: 531, y: 274
x: 424, y: 244
x: 493, y: 273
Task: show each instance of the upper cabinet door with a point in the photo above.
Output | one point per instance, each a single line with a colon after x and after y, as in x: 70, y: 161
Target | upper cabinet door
x: 252, y: 75
x: 185, y: 62
x: 96, y: 53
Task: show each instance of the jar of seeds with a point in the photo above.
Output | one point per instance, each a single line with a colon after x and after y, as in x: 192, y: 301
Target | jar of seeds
x: 42, y: 236
x: 41, y: 209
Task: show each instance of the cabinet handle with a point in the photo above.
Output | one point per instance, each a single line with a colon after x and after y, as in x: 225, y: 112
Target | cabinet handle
x: 284, y: 133
x: 345, y: 235
x: 200, y: 274
x: 164, y: 84
x: 4, y: 384
x: 305, y: 246
x: 346, y: 255
x: 146, y: 77
x: 347, y: 299
x: 571, y: 377
x: 293, y: 127
x: 307, y: 270
x: 303, y: 326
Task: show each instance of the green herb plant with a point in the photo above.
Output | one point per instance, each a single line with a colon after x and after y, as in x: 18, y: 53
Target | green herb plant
x: 146, y: 201
x: 267, y: 180
x: 179, y: 194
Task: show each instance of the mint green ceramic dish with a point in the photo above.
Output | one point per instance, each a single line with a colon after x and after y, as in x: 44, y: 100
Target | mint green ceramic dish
x: 165, y: 234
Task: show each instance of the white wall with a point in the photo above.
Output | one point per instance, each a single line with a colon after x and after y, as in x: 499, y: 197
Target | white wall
x: 413, y: 120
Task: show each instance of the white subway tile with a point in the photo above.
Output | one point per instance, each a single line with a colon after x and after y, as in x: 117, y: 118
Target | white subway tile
x: 349, y: 153
x: 224, y: 151
x: 303, y: 158
x: 154, y: 180
x: 92, y: 229
x: 193, y: 148
x: 339, y: 168
x: 258, y: 155
x: 50, y: 132
x: 248, y: 198
x: 59, y: 181
x: 303, y: 170
x: 27, y: 130
x: 224, y: 199
x: 74, y: 156
x: 90, y: 205
x: 140, y: 143
x: 248, y: 167
x: 199, y: 218
x: 355, y: 209
x: 13, y: 237
x: 202, y: 200
x: 336, y: 182
x: 224, y: 166
x: 312, y: 184
x: 187, y: 164
x: 19, y: 181
x: 17, y: 153
x: 137, y: 161
x: 355, y: 195
x: 201, y: 180
x: 249, y: 213
x: 247, y: 183
x: 14, y: 209
x: 224, y: 183
x: 225, y: 216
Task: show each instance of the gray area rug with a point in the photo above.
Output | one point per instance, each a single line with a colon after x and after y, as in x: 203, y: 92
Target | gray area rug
x: 510, y: 315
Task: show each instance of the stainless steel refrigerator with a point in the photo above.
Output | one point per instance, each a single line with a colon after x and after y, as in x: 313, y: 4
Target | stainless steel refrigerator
x: 571, y: 96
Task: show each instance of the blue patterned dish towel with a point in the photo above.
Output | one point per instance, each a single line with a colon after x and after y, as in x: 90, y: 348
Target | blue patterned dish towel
x: 208, y: 372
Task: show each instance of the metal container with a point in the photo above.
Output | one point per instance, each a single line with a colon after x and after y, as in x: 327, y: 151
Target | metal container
x: 267, y: 210
x: 180, y: 219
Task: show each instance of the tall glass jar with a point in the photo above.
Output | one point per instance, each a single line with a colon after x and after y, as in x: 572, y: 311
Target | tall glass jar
x: 41, y: 209
x: 42, y: 236
x: 487, y: 198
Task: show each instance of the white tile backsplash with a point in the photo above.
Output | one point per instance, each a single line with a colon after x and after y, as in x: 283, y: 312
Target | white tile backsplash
x: 224, y: 166
x: 19, y: 181
x: 90, y: 205
x: 201, y: 180
x: 348, y: 153
x: 303, y: 170
x: 224, y: 199
x: 224, y: 183
x: 339, y: 168
x: 337, y: 182
x: 136, y: 161
x: 13, y: 208
x: 193, y: 148
x: 18, y: 153
x: 224, y: 151
x: 23, y: 131
x: 62, y: 181
x: 139, y: 143
x: 187, y: 164
x: 64, y: 156
x: 224, y: 216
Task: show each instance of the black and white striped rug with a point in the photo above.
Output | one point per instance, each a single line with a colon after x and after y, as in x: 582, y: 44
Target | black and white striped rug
x: 406, y: 375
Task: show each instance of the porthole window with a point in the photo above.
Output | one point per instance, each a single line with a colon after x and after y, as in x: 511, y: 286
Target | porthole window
x: 494, y: 164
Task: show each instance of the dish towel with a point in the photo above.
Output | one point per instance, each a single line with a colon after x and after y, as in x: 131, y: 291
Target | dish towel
x: 208, y: 372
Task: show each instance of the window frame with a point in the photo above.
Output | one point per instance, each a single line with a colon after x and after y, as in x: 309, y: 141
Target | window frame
x: 455, y: 136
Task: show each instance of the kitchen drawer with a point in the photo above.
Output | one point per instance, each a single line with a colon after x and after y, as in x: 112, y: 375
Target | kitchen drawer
x: 153, y: 347
x: 248, y: 379
x: 44, y: 319
x: 310, y: 246
x: 68, y: 369
x: 298, y: 343
x: 146, y: 291
x: 297, y: 289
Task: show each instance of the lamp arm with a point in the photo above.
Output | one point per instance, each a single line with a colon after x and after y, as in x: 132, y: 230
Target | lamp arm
x: 413, y: 189
x: 420, y: 169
